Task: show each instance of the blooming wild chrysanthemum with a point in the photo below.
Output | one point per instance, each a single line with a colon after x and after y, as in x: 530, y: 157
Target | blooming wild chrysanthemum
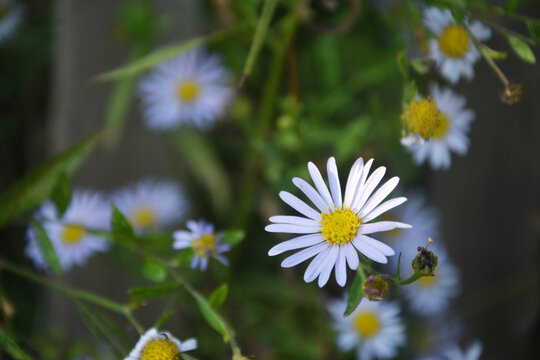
x: 154, y: 345
x: 69, y: 234
x: 374, y: 329
x: 11, y: 13
x: 453, y: 49
x: 190, y: 89
x: 339, y: 229
x: 151, y: 204
x: 473, y: 352
x: 443, y: 121
x: 204, y: 241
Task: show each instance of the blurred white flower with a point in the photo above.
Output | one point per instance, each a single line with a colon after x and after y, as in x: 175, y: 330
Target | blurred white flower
x: 452, y: 129
x: 154, y: 345
x: 190, y: 89
x: 453, y: 48
x: 151, y: 204
x: 374, y: 329
x: 69, y: 235
x: 11, y: 13
x: 340, y: 229
x: 473, y: 352
x: 204, y: 242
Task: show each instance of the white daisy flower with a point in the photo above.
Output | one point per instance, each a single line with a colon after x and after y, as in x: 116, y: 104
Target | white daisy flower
x: 151, y: 204
x: 450, y: 133
x: 431, y: 295
x: 473, y: 352
x: 161, y: 345
x: 339, y: 229
x: 453, y: 49
x: 431, y: 339
x: 69, y: 235
x: 204, y: 242
x: 11, y: 13
x: 374, y: 329
x: 189, y: 89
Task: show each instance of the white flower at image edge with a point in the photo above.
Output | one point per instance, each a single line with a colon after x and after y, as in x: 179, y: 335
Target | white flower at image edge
x: 151, y: 204
x: 204, y: 242
x: 452, y: 134
x: 339, y: 229
x: 154, y: 345
x: 453, y: 49
x: 190, y: 89
x: 374, y: 329
x: 473, y: 352
x: 69, y: 235
x: 11, y: 13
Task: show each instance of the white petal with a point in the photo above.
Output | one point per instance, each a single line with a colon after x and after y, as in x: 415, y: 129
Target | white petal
x: 296, y: 243
x: 329, y: 263
x: 381, y: 226
x: 352, y: 256
x: 333, y: 180
x: 341, y: 267
x: 369, y: 251
x: 299, y: 205
x: 352, y: 181
x: 319, y: 184
x: 384, y: 207
x: 295, y: 220
x: 303, y: 255
x: 314, y: 268
x: 385, y: 249
x: 371, y: 184
x: 188, y: 344
x: 291, y: 229
x: 311, y: 193
x: 380, y: 195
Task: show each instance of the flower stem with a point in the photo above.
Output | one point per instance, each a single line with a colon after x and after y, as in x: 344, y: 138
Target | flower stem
x: 408, y: 281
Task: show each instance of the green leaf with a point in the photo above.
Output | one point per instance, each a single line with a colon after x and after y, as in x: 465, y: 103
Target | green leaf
x: 153, y: 292
x: 61, y: 193
x: 47, y: 249
x: 534, y: 30
x: 165, y: 53
x: 154, y: 270
x: 10, y: 346
x: 164, y: 318
x: 419, y: 66
x: 494, y: 54
x: 204, y: 164
x: 521, y: 49
x: 411, y: 92
x: 355, y: 292
x: 403, y: 63
x: 233, y: 237
x: 39, y: 183
x: 260, y: 34
x: 209, y: 314
x: 122, y: 231
x: 219, y: 296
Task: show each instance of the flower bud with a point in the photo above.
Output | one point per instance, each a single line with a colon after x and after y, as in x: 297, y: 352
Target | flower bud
x: 376, y: 287
x: 425, y: 262
x: 512, y: 93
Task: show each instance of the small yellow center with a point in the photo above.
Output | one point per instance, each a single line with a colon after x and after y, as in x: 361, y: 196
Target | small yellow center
x: 422, y: 117
x: 339, y: 226
x: 454, y: 41
x: 144, y: 217
x: 188, y: 91
x: 72, y: 234
x: 204, y: 245
x: 426, y: 281
x: 367, y: 324
x: 160, y: 349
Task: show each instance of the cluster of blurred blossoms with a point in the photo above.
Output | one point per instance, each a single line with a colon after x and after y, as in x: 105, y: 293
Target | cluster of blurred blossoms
x: 148, y: 205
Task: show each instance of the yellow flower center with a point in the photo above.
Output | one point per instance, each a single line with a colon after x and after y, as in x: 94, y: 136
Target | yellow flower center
x: 188, y: 91
x: 340, y: 226
x: 426, y: 281
x: 72, y: 234
x: 367, y: 324
x: 204, y: 245
x: 160, y: 349
x: 454, y: 41
x: 144, y: 217
x: 422, y: 117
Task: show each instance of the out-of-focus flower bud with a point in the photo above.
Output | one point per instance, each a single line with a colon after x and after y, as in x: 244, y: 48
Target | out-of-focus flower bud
x: 512, y: 93
x: 376, y: 287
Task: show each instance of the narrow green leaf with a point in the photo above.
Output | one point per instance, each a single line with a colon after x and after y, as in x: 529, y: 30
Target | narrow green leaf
x: 61, y: 193
x: 165, y: 53
x: 213, y: 319
x: 521, y: 48
x: 233, y: 237
x: 156, y: 291
x: 260, y: 33
x: 154, y: 270
x: 164, y: 318
x: 47, y: 249
x: 494, y: 54
x: 403, y: 63
x: 219, y: 296
x: 355, y: 293
x: 121, y: 228
x: 411, y: 92
x: 117, y: 108
x: 39, y: 183
x: 419, y: 66
x: 11, y: 347
x: 204, y: 164
x: 534, y: 30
